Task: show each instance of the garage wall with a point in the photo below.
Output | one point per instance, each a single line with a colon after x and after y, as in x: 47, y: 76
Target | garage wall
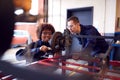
x: 110, y: 16
x: 117, y: 15
x: 103, y: 13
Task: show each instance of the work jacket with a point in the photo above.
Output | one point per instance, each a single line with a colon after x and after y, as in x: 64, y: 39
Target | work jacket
x: 32, y: 52
x: 92, y: 45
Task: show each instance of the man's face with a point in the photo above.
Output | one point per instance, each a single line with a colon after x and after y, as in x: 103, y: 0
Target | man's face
x: 73, y: 27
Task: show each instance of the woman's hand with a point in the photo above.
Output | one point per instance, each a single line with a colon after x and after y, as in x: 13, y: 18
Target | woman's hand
x: 44, y: 48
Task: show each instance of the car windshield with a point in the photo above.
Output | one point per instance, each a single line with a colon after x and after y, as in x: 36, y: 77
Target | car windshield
x: 20, y: 33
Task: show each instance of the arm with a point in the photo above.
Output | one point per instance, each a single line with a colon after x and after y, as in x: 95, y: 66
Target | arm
x: 42, y: 50
x: 84, y: 52
x: 89, y: 43
x: 89, y: 46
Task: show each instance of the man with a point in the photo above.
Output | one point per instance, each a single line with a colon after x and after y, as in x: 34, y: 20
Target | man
x: 90, y: 46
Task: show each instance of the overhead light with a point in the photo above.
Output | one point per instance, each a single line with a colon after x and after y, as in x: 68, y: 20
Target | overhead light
x: 19, y: 11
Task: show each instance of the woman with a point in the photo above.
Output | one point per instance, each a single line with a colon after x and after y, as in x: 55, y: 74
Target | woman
x: 37, y: 50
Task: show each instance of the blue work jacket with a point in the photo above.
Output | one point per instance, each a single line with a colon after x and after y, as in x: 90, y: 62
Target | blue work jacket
x: 36, y: 51
x: 92, y: 45
x: 32, y: 52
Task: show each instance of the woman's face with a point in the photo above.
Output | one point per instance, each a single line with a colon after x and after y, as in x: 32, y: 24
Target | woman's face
x: 46, y: 35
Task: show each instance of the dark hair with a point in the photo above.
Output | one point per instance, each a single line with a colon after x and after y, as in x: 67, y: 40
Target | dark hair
x: 74, y: 18
x: 42, y: 27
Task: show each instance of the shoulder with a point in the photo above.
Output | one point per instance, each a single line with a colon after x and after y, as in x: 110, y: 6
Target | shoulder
x: 87, y: 26
x: 89, y: 29
x: 32, y: 45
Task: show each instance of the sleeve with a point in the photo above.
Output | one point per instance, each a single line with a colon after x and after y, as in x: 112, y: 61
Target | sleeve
x: 90, y: 42
x: 34, y: 50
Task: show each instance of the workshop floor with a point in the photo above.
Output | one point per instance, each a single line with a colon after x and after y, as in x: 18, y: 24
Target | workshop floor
x: 10, y: 56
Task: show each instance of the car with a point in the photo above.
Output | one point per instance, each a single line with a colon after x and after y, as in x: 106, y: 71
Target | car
x: 21, y: 38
